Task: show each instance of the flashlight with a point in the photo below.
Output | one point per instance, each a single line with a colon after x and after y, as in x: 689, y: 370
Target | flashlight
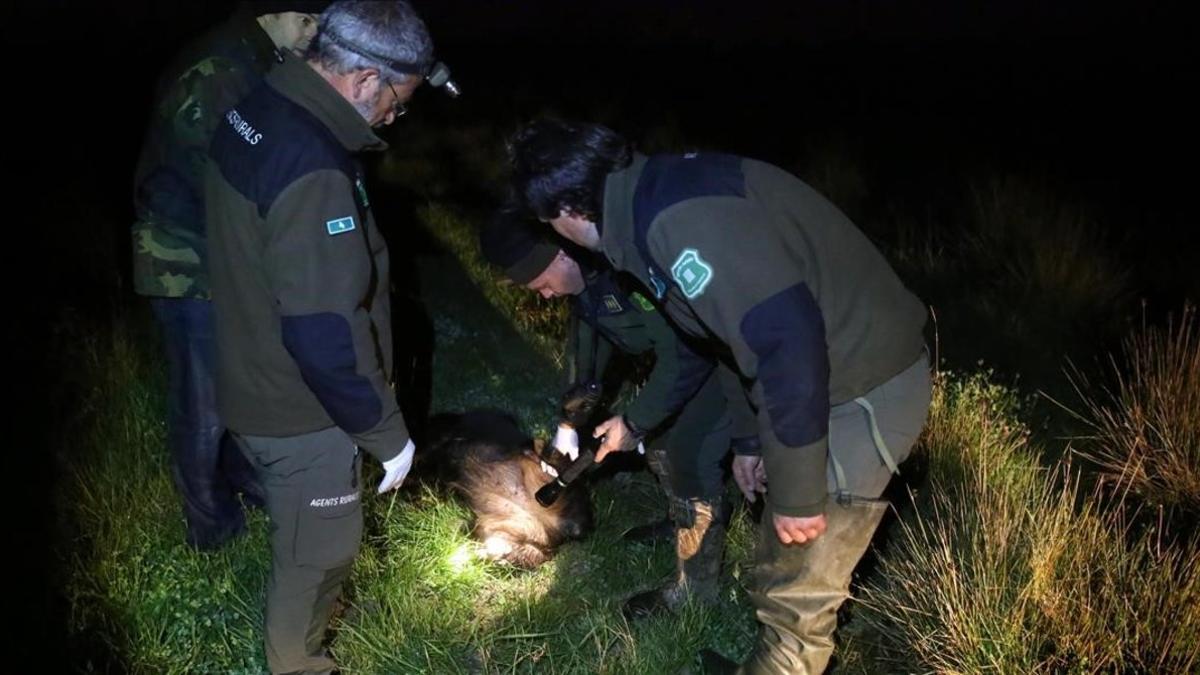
x: 439, y: 76
x: 549, y: 493
x: 577, y: 406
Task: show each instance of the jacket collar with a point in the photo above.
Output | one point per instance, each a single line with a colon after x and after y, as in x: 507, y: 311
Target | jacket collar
x: 244, y: 25
x: 299, y: 83
x: 617, y: 235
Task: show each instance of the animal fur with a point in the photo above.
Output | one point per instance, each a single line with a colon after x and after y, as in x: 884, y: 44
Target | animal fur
x: 486, y: 458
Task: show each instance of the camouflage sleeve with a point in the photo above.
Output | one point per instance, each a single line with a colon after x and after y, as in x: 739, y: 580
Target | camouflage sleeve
x: 195, y: 104
x: 750, y: 292
x: 168, y: 235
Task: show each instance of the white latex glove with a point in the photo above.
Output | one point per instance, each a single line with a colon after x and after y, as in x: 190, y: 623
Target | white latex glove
x: 641, y: 449
x: 549, y: 470
x: 566, y: 442
x: 396, y: 468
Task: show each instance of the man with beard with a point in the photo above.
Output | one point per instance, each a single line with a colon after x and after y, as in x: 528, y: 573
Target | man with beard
x: 301, y: 295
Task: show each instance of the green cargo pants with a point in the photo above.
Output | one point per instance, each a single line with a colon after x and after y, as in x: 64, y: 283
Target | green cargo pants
x: 312, y: 484
x: 797, y: 589
x: 690, y: 473
x: 696, y: 443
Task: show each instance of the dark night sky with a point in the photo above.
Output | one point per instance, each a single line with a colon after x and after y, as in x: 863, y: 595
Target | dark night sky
x: 1094, y: 89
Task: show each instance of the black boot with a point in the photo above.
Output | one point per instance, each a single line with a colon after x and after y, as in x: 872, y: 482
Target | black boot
x: 656, y: 461
x: 698, y: 544
x: 659, y: 529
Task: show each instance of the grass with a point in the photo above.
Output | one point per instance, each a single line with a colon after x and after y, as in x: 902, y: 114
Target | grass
x: 1143, y: 430
x: 1006, y: 566
x: 131, y: 583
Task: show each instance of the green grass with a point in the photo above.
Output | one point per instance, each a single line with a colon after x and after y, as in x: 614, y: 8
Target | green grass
x: 1018, y: 277
x: 130, y: 581
x: 1004, y: 566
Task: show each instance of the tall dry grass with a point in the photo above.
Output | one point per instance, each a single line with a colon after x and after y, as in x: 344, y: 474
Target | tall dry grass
x: 1145, y: 429
x: 1009, y: 567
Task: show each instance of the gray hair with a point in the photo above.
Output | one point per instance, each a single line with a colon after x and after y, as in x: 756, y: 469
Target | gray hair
x: 359, y: 34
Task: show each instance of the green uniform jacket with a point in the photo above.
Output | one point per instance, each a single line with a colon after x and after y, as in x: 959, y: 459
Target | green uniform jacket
x: 299, y: 270
x: 608, y: 316
x: 747, y: 256
x: 207, y: 78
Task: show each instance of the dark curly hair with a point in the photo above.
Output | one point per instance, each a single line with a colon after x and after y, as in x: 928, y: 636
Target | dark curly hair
x: 559, y: 165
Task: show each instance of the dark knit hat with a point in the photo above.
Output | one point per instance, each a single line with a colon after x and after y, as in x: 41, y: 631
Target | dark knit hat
x: 261, y: 7
x: 517, y: 244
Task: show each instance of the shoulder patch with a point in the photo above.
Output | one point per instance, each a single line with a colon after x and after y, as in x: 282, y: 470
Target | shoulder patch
x: 691, y: 272
x: 642, y: 302
x: 340, y: 225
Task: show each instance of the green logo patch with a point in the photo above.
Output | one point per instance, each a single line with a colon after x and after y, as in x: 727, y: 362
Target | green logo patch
x: 642, y: 302
x: 691, y: 272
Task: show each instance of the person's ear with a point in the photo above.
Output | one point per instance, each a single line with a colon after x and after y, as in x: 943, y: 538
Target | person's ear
x: 365, y: 83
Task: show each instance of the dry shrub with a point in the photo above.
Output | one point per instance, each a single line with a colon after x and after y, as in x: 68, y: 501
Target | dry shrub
x: 1007, y: 567
x: 1146, y: 428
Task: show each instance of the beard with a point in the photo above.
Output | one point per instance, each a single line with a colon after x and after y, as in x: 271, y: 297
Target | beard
x: 366, y: 108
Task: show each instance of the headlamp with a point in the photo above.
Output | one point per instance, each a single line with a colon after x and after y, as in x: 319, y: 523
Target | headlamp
x: 436, y: 73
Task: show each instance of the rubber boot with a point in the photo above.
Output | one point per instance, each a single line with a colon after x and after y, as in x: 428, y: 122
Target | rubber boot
x: 664, y: 528
x: 699, y: 540
x: 659, y: 529
x: 796, y: 589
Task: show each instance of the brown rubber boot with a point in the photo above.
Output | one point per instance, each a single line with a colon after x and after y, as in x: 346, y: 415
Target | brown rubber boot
x: 797, y: 589
x: 699, y: 540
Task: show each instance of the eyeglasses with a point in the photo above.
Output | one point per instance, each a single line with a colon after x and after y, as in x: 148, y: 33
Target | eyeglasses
x: 398, y: 108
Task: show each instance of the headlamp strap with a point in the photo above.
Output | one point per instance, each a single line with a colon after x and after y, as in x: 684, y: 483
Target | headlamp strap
x: 405, y: 67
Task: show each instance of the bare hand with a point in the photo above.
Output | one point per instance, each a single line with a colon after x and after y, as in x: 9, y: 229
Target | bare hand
x: 617, y: 437
x: 798, y: 530
x: 750, y: 474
